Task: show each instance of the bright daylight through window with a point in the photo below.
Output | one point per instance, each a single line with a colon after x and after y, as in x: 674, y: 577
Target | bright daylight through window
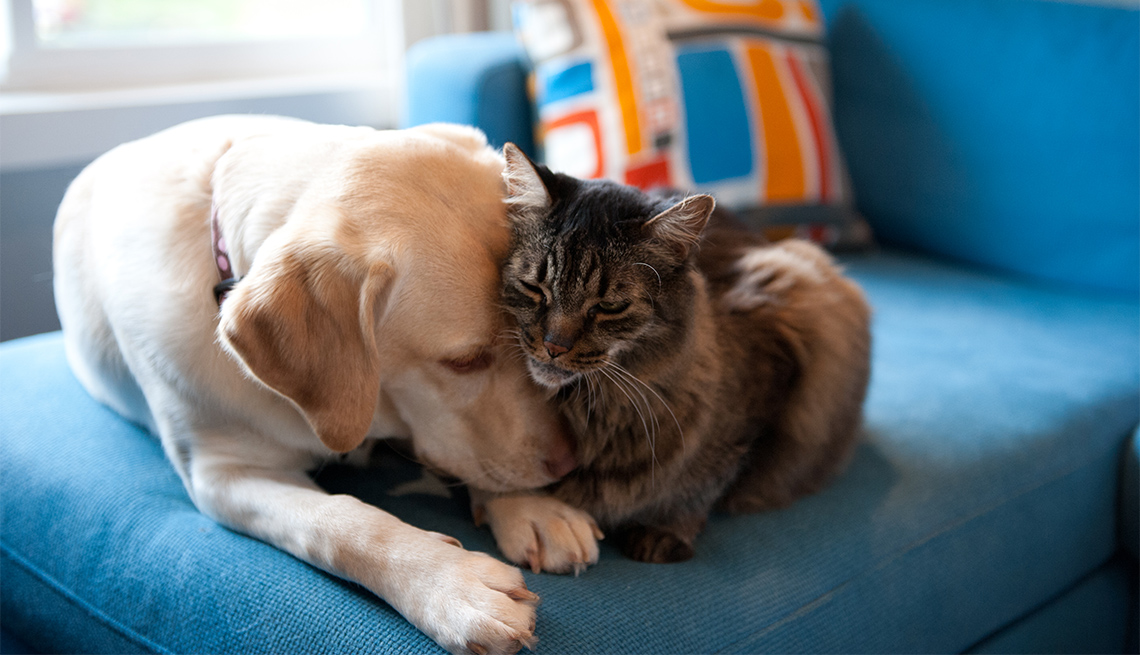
x: 101, y: 23
x: 75, y: 45
x: 81, y: 76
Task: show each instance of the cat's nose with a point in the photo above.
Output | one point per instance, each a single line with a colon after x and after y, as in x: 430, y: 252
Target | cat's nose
x: 553, y: 347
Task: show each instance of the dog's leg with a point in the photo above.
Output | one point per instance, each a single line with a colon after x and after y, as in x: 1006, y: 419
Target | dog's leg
x: 466, y: 601
x: 539, y: 531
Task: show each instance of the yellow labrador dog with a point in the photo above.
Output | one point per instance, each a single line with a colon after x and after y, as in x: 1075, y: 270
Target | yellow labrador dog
x: 360, y: 302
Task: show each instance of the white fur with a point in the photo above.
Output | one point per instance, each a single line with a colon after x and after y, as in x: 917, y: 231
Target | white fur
x: 767, y: 274
x: 368, y: 258
x: 525, y: 190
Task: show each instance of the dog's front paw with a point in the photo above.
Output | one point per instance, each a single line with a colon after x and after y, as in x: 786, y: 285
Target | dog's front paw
x: 541, y: 532
x: 469, y: 602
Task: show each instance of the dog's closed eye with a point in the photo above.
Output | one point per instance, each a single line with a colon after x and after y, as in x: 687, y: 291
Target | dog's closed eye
x: 469, y: 364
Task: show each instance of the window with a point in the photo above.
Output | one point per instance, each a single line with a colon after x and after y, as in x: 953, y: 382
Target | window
x: 85, y: 23
x: 78, y: 77
x: 91, y: 44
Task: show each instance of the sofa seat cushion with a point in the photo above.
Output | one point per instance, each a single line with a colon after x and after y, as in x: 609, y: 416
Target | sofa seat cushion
x: 986, y: 485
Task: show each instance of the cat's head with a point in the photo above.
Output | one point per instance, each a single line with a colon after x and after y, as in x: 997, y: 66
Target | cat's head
x: 597, y: 271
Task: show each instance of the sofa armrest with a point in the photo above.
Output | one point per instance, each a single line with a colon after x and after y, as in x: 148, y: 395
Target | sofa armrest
x: 1130, y: 496
x: 474, y: 79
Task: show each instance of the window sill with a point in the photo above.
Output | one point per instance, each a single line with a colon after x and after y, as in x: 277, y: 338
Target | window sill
x: 53, y: 129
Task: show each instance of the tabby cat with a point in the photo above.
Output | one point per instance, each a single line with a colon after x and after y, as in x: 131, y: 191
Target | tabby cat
x: 698, y: 366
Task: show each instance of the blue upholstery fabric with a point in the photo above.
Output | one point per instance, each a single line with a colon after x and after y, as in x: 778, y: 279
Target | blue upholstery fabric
x: 1000, y: 133
x: 102, y: 551
x: 986, y: 486
x: 476, y: 79
x: 1103, y: 603
x: 10, y: 645
x: 1130, y: 497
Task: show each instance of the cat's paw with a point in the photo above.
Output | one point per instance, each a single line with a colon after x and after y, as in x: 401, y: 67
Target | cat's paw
x: 654, y: 545
x: 541, y: 532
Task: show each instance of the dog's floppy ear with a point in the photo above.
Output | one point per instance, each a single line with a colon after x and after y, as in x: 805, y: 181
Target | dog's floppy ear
x: 303, y: 324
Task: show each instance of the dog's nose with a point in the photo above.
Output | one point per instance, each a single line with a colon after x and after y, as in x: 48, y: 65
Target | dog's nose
x: 558, y: 468
x: 560, y: 460
x: 556, y: 346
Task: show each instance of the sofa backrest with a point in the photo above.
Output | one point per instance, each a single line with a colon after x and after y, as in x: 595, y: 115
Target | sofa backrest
x: 1000, y: 132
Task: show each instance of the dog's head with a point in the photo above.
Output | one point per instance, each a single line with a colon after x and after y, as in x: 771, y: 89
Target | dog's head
x: 375, y: 304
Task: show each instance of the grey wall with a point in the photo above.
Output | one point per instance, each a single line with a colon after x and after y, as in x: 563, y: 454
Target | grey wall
x: 28, y: 200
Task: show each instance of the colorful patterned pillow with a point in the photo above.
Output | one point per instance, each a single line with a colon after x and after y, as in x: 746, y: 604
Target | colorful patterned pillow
x: 729, y: 97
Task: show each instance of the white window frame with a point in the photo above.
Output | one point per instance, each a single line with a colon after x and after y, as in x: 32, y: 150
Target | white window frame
x: 32, y: 66
x: 62, y: 106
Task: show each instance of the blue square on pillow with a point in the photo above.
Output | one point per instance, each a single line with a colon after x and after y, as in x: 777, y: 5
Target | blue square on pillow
x: 716, y: 117
x: 560, y: 82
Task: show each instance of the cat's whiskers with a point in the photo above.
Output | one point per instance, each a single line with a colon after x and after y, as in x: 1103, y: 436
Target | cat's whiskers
x: 595, y: 395
x: 656, y: 425
x: 446, y: 479
x: 449, y: 481
x: 513, y: 342
x: 509, y: 337
x: 506, y: 333
x: 518, y: 353
x: 669, y: 409
x: 623, y: 374
x: 589, y: 378
x: 659, y: 283
x: 400, y: 452
x: 580, y: 382
x: 626, y: 374
x: 644, y: 424
x: 489, y: 469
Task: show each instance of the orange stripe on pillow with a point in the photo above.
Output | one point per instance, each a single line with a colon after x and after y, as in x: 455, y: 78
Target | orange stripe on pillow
x: 809, y: 11
x: 623, y: 75
x: 762, y: 9
x: 783, y: 159
x: 815, y: 112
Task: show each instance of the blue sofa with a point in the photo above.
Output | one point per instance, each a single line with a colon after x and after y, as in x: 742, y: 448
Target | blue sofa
x: 994, y: 146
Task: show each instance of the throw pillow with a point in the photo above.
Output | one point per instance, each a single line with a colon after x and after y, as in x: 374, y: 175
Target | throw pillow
x: 728, y: 97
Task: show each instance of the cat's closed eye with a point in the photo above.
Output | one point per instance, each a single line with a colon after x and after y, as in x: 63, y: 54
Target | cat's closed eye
x: 608, y: 307
x: 533, y: 291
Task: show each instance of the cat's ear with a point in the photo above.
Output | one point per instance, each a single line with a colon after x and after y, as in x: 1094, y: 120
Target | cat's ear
x: 680, y: 226
x: 526, y: 194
